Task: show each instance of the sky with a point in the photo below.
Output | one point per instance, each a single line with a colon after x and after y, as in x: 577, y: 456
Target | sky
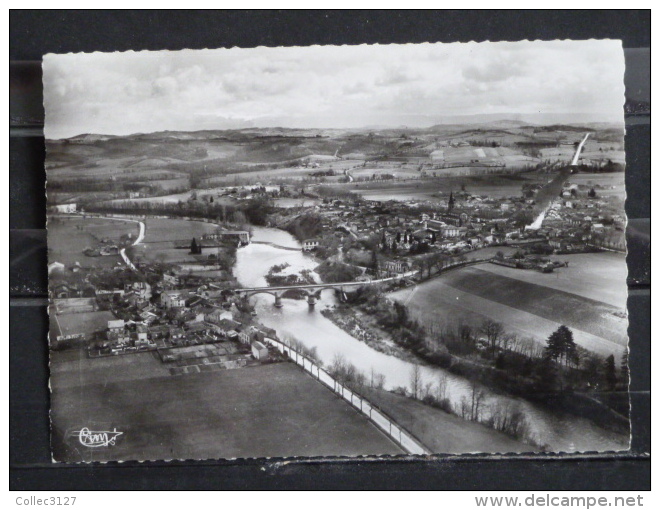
x: 414, y: 85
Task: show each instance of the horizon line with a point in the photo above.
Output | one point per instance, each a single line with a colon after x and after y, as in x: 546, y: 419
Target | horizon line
x: 362, y: 128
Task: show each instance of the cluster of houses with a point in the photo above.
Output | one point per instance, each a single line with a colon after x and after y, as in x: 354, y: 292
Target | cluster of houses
x: 176, y: 318
x: 169, y: 313
x: 573, y: 222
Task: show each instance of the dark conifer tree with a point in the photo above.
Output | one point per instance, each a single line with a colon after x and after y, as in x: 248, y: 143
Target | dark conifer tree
x: 610, y: 372
x: 561, y: 345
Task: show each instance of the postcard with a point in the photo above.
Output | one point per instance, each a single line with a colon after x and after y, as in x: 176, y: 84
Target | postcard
x: 337, y: 251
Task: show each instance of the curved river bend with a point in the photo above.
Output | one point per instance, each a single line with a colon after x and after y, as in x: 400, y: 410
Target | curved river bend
x: 295, y: 319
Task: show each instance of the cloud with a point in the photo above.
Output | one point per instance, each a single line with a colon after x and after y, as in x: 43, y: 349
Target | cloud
x: 395, y: 76
x: 121, y: 93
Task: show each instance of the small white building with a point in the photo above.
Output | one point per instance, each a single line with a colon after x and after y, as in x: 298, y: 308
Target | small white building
x: 55, y: 266
x: 141, y: 289
x: 396, y: 266
x: 451, y: 231
x: 66, y: 208
x: 116, y: 325
x: 310, y: 244
x: 259, y: 350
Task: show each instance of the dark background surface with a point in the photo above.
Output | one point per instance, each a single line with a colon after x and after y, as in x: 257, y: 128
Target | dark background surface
x: 34, y: 33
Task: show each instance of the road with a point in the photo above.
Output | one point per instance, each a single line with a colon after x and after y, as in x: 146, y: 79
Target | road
x: 139, y: 239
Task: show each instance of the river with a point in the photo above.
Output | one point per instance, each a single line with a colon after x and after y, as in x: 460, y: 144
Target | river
x: 295, y: 319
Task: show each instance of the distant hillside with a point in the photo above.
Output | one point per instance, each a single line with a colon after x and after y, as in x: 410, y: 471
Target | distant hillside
x: 176, y: 160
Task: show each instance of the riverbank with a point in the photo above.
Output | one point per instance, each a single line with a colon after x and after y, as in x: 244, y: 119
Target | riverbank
x: 409, y: 342
x: 361, y: 327
x: 504, y: 419
x: 556, y: 430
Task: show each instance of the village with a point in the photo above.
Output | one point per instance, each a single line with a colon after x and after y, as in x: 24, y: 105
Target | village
x: 396, y: 237
x: 164, y: 309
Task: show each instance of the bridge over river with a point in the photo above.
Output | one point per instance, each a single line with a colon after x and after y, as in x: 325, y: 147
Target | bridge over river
x: 278, y: 246
x: 313, y: 290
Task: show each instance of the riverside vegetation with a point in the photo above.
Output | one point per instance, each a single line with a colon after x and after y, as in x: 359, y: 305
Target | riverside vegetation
x: 560, y: 375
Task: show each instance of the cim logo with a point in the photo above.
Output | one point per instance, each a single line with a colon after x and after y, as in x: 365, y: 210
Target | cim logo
x: 96, y: 439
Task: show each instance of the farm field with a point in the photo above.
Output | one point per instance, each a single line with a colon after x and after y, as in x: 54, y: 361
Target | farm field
x: 208, y: 415
x: 130, y: 166
x: 288, y: 203
x: 68, y: 236
x: 74, y: 305
x: 442, y: 432
x: 400, y: 172
x: 598, y: 276
x: 169, y: 184
x: 337, y: 165
x: 74, y: 323
x: 528, y: 309
x: 484, y: 155
x: 426, y: 189
x: 171, y: 229
x: 176, y: 197
x: 162, y: 252
x: 161, y: 235
x: 591, y: 151
x: 170, y: 159
x: 496, y: 186
x: 608, y: 180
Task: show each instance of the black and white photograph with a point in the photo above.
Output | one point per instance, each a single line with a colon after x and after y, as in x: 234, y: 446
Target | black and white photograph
x: 337, y: 251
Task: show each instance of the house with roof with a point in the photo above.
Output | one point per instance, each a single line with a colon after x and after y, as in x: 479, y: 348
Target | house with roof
x: 117, y: 333
x: 310, y: 244
x: 217, y: 315
x: 173, y: 299
x: 399, y: 266
x: 259, y: 350
x: 245, y: 336
x: 176, y: 333
x: 226, y: 328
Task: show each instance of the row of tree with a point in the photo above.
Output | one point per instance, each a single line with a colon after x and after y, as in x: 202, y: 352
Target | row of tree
x: 254, y: 211
x: 488, y: 353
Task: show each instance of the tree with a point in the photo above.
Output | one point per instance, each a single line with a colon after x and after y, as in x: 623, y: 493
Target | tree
x: 471, y: 407
x: 415, y: 380
x: 561, y: 345
x: 441, y: 388
x: 493, y: 331
x: 592, y: 367
x: 194, y: 249
x: 374, y: 262
x: 591, y: 193
x: 610, y: 372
